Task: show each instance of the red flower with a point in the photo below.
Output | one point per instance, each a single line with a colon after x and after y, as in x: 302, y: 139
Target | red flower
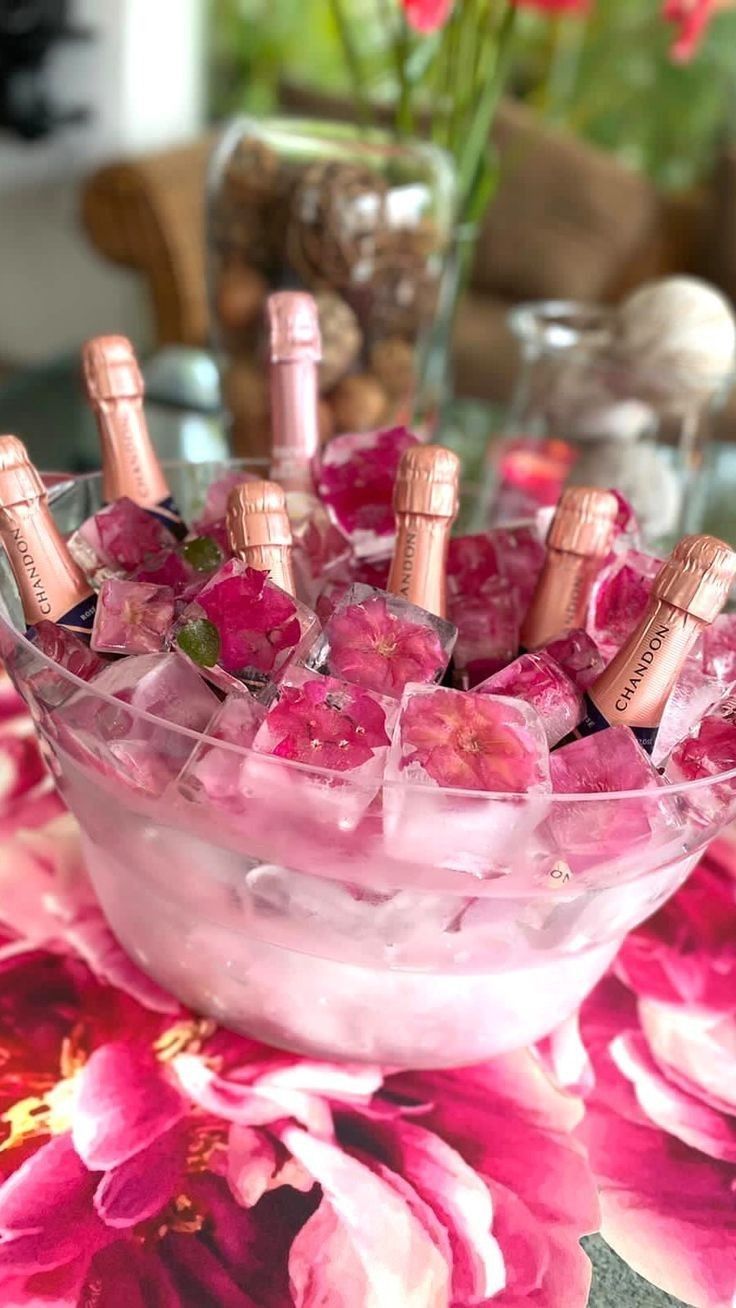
x: 690, y: 17
x: 427, y: 15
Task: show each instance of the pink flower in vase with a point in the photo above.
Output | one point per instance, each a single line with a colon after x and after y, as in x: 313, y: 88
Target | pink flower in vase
x: 691, y: 18
x: 471, y: 742
x: 660, y: 1125
x: 378, y: 649
x: 325, y: 724
x: 427, y: 15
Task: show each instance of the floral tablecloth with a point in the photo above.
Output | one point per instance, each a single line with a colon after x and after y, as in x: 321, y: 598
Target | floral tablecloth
x: 149, y: 1159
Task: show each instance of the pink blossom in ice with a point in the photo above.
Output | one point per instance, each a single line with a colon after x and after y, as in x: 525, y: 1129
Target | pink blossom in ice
x: 375, y: 647
x: 325, y: 723
x: 470, y: 742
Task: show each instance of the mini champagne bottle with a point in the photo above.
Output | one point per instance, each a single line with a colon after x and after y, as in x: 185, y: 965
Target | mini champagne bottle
x: 688, y: 593
x: 51, y: 585
x: 130, y: 466
x: 578, y: 540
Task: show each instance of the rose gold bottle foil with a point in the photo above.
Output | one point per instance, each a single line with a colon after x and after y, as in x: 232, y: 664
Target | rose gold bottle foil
x: 50, y: 583
x: 114, y: 384
x: 295, y: 351
x: 578, y: 540
x: 259, y: 531
x: 688, y: 593
x: 426, y: 502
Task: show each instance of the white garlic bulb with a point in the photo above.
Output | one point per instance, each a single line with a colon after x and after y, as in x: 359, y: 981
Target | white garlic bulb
x: 679, y: 334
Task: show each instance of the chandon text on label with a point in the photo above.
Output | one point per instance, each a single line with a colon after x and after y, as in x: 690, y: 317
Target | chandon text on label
x: 29, y: 563
x: 640, y: 671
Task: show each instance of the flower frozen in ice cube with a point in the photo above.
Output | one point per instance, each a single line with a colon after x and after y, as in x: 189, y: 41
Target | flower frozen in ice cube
x: 382, y: 642
x: 123, y: 534
x: 472, y: 742
x: 578, y: 655
x: 355, y: 479
x: 325, y: 723
x: 541, y: 682
x: 619, y: 598
x: 241, y: 624
x: 132, y: 617
x: 719, y: 648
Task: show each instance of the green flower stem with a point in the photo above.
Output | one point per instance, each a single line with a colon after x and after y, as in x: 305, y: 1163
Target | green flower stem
x: 355, y: 67
x: 476, y: 144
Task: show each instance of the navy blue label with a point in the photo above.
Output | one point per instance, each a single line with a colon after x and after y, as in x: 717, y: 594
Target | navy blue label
x: 79, y: 619
x: 167, y: 513
x: 594, y: 721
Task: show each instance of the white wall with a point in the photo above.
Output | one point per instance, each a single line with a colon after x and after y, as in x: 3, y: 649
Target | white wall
x: 143, y: 78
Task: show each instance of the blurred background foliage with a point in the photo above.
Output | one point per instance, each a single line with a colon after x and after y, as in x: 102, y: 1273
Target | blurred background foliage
x: 609, y: 78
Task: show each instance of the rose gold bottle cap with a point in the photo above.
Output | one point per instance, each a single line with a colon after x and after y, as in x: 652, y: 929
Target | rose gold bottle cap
x: 256, y: 516
x: 19, y: 481
x: 697, y: 576
x: 427, y: 482
x: 294, y: 327
x: 111, y: 369
x: 584, y: 521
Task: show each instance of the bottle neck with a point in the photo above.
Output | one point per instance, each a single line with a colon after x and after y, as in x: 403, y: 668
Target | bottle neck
x: 275, y: 560
x: 130, y: 465
x: 419, y: 563
x: 294, y: 423
x: 560, y: 599
x: 50, y: 583
x: 633, y: 690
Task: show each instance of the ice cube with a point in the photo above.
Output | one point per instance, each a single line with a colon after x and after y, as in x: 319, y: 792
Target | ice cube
x: 132, y: 617
x: 140, y: 751
x: 578, y: 655
x: 355, y: 477
x: 66, y: 649
x: 513, y: 554
x: 319, y: 550
x: 693, y: 694
x: 340, y: 731
x: 541, y: 682
x: 719, y: 648
x: 382, y: 642
x: 213, y: 774
x: 182, y: 567
x: 123, y: 535
x: 708, y: 751
x: 619, y: 598
x: 614, y: 830
x: 488, y: 627
x: 446, y: 744
x: 241, y: 630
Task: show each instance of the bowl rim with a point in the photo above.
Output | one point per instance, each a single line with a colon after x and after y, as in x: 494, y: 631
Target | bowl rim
x: 667, y: 789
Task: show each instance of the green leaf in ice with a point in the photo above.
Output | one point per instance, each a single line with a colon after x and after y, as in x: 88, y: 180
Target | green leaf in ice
x: 200, y: 640
x: 203, y: 553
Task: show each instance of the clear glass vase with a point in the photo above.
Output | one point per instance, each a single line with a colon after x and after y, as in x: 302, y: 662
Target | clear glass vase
x: 345, y: 916
x: 581, y: 413
x: 360, y: 221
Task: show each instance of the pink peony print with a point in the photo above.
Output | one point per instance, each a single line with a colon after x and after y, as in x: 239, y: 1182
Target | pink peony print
x: 375, y: 647
x: 148, y: 1157
x: 660, y: 1124
x: 471, y: 742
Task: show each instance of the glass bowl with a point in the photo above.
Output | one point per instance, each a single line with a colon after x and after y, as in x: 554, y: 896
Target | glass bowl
x: 329, y: 915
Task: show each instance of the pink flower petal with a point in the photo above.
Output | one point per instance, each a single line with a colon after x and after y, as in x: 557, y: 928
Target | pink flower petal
x: 675, y: 1112
x: 257, y: 1163
x: 46, y: 1211
x: 141, y: 1186
x: 363, y: 1246
x: 460, y: 1199
x: 335, y: 1081
x: 124, y: 1103
x: 50, y: 1180
x: 247, y: 1105
x: 696, y: 1051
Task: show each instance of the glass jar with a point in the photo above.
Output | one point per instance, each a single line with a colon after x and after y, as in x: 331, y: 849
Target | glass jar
x: 361, y: 222
x: 583, y: 413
